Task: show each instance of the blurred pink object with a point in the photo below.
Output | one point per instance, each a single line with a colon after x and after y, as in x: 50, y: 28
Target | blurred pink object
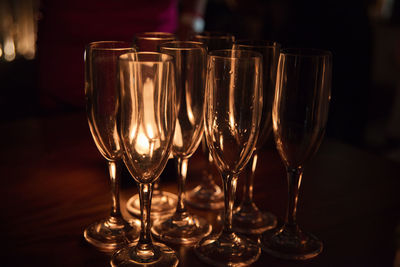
x: 67, y: 26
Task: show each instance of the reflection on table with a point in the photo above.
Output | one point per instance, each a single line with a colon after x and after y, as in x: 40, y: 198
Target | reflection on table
x: 54, y: 183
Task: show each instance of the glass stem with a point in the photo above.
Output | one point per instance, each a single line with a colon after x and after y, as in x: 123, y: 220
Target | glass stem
x: 114, y: 170
x: 249, y: 180
x: 181, y: 165
x: 294, y: 176
x: 229, y: 182
x: 210, y: 165
x: 207, y: 178
x: 144, y: 247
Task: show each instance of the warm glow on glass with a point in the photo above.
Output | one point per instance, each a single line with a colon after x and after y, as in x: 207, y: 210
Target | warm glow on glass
x: 275, y: 106
x: 144, y: 145
x: 148, y: 103
x: 148, y: 128
x: 189, y: 109
x: 1, y: 50
x: 178, y: 139
x: 231, y: 102
x: 116, y: 137
x: 254, y: 165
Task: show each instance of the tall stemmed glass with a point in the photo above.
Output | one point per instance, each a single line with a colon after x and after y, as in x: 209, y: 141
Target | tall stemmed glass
x: 208, y: 195
x: 190, y: 65
x: 102, y: 104
x: 299, y: 115
x: 247, y: 218
x: 147, y: 123
x: 164, y: 202
x: 233, y: 113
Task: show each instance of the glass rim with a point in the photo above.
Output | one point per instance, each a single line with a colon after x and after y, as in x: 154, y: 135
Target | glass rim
x: 214, y: 35
x: 230, y: 54
x: 257, y: 43
x: 98, y: 45
x: 183, y: 45
x: 155, y: 36
x: 133, y: 57
x: 305, y: 52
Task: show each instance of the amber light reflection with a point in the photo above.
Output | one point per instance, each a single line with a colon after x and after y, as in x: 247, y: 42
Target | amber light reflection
x: 146, y: 141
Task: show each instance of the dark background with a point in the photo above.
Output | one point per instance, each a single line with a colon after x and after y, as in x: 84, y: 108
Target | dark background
x: 362, y: 35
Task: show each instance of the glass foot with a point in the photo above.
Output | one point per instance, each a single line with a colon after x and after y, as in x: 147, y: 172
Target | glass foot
x: 292, y: 244
x: 228, y: 250
x: 184, y: 230
x: 112, y: 233
x: 210, y: 197
x: 248, y: 219
x: 163, y: 204
x: 161, y: 255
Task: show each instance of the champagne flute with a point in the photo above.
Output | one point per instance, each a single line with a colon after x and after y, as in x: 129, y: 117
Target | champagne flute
x: 232, y: 119
x: 190, y: 65
x: 208, y: 195
x: 101, y: 104
x: 147, y: 123
x: 299, y: 115
x: 163, y: 202
x: 247, y: 218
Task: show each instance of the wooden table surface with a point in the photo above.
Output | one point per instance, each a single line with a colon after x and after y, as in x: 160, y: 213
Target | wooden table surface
x: 54, y: 183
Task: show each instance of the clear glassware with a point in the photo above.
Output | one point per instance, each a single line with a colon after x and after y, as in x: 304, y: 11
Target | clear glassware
x: 190, y: 65
x: 147, y: 124
x: 150, y: 41
x: 163, y: 202
x: 247, y: 217
x: 299, y: 116
x: 208, y: 195
x: 232, y: 119
x: 215, y: 40
x: 101, y: 104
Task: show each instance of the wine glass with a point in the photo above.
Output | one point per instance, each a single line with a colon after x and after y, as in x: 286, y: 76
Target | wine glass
x: 247, y: 218
x: 299, y: 115
x: 208, y: 195
x: 232, y: 119
x: 163, y: 202
x: 190, y: 65
x: 101, y: 104
x: 147, y: 123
